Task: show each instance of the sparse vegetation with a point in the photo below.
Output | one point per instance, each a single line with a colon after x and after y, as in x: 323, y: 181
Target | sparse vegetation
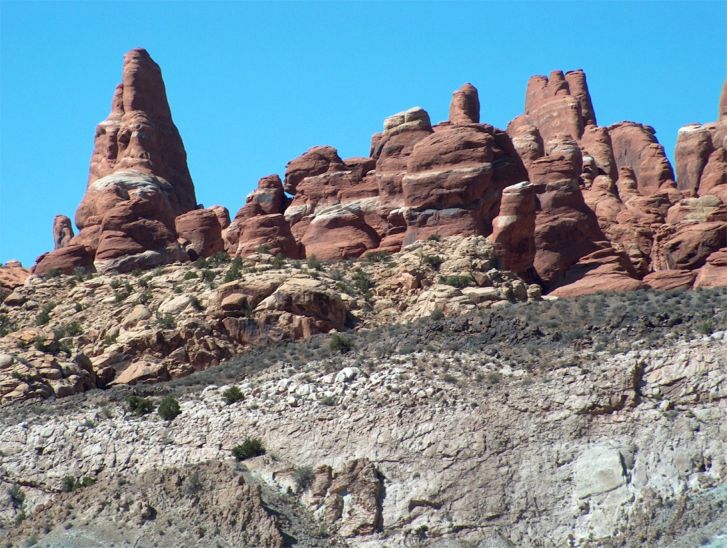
x: 232, y: 395
x: 434, y: 261
x: 165, y: 320
x: 251, y: 447
x: 139, y: 406
x: 43, y: 316
x: 218, y: 259
x: 71, y: 483
x: 6, y: 325
x: 169, y: 408
x: 234, y: 271
x: 458, y: 281
x: 313, y: 263
x: 378, y: 257
x: 340, y: 343
x: 303, y: 477
x: 16, y: 497
x: 362, y: 281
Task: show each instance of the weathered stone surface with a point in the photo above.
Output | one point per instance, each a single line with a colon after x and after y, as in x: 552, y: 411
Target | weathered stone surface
x: 687, y: 246
x: 270, y: 231
x: 338, y: 232
x: 132, y: 237
x: 138, y: 158
x: 670, y: 280
x: 635, y: 146
x: 62, y: 231
x: 694, y: 145
x: 12, y: 275
x: 200, y: 232
x: 513, y: 233
x: 65, y: 260
x: 565, y: 228
x: 601, y: 271
x: 139, y: 137
x: 465, y: 106
x: 317, y: 160
x: 714, y: 271
x: 555, y: 109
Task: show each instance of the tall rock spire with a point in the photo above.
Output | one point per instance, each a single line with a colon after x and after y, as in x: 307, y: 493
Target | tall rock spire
x: 138, y: 145
x: 138, y: 181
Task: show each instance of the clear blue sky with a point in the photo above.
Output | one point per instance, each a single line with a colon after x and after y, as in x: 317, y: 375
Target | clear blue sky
x: 253, y: 85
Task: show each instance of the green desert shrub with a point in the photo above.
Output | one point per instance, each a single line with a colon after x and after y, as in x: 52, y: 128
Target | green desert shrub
x: 139, y: 406
x: 16, y: 496
x: 303, y: 477
x: 435, y: 261
x: 251, y: 447
x: 340, y: 343
x: 218, y: 259
x: 362, y: 281
x: 232, y: 395
x: 165, y: 321
x: 313, y: 263
x: 43, y: 316
x: 458, y: 281
x: 233, y: 273
x: 169, y: 408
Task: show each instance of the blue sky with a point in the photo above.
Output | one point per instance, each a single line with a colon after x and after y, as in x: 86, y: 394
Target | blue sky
x: 253, y: 85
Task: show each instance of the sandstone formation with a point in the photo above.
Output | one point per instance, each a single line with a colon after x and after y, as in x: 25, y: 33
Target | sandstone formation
x: 200, y: 232
x: 600, y: 203
x: 465, y: 106
x: 12, y: 275
x: 62, y: 231
x: 138, y: 182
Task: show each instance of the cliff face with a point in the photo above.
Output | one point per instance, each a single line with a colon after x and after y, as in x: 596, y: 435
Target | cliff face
x: 603, y: 210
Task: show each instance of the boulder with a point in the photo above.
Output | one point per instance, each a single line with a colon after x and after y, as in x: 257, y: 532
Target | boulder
x: 200, y: 232
x: 687, y: 246
x: 714, y: 271
x: 670, y: 280
x: 601, y: 271
x: 64, y: 260
x: 317, y: 160
x: 271, y: 231
x: 12, y: 275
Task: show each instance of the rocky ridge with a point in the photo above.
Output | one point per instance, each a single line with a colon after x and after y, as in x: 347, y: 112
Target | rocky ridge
x: 570, y: 205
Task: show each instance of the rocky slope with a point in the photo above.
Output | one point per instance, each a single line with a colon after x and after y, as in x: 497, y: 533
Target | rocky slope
x: 67, y: 334
x: 588, y: 422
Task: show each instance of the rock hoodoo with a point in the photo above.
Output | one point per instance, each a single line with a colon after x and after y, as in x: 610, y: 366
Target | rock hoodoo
x: 568, y: 204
